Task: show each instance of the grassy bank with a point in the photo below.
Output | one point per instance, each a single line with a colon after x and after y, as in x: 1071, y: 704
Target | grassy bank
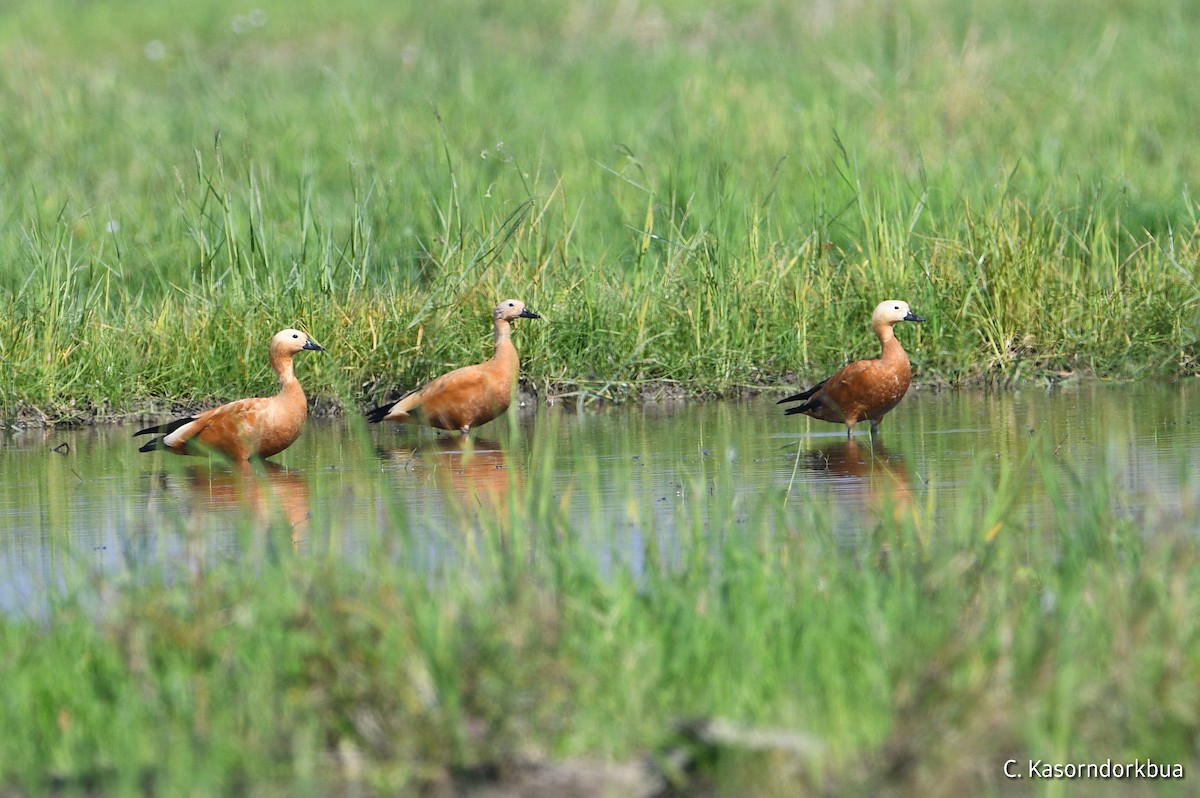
x: 750, y: 649
x: 696, y: 200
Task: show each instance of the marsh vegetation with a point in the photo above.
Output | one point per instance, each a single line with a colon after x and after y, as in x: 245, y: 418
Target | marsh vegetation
x: 700, y: 202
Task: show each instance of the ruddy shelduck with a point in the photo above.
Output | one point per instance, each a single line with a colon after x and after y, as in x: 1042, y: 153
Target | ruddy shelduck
x: 864, y: 389
x: 247, y: 428
x: 471, y: 395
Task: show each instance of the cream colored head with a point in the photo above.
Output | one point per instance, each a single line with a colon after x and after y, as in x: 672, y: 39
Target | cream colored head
x: 292, y: 341
x: 511, y: 309
x: 891, y: 312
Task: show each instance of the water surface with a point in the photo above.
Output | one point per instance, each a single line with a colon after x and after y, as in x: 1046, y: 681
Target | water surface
x: 86, y: 501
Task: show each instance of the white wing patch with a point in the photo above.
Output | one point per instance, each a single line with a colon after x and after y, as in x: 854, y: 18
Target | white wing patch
x: 182, y: 434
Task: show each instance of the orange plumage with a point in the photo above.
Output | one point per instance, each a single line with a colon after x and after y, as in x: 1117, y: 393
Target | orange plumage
x: 247, y: 428
x: 471, y: 395
x: 865, y: 389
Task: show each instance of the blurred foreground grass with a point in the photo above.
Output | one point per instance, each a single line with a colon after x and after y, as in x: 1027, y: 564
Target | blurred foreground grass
x: 749, y: 648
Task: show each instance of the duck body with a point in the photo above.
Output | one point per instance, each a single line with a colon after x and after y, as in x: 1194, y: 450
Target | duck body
x: 247, y: 428
x: 865, y: 389
x: 469, y: 396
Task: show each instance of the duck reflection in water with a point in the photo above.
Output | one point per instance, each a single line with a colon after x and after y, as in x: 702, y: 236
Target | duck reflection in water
x: 473, y: 473
x: 866, y: 474
x: 262, y: 492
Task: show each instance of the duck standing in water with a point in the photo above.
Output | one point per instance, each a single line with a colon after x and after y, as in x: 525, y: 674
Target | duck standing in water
x: 246, y: 428
x: 471, y: 395
x: 864, y: 389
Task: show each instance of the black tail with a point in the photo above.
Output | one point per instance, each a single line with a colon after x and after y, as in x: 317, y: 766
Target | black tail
x: 804, y: 408
x: 376, y: 415
x: 802, y: 395
x: 152, y: 445
x: 165, y: 429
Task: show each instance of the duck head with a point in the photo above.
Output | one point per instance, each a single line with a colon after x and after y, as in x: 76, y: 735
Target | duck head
x: 892, y: 311
x: 293, y: 341
x: 511, y: 309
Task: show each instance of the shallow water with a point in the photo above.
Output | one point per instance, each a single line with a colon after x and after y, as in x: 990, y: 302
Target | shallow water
x: 85, y: 502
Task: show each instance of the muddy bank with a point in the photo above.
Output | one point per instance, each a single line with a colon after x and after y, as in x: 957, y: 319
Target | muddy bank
x: 81, y: 414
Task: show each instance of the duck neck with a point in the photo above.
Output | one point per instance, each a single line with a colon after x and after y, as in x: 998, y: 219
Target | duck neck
x: 506, y: 353
x: 503, y: 335
x: 883, y: 332
x: 282, y: 363
x: 892, y: 350
x: 503, y: 331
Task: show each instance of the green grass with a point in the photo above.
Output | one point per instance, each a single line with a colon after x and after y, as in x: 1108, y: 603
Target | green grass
x: 697, y: 200
x: 914, y: 656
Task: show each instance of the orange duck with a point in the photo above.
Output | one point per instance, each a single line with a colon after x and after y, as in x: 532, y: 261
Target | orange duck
x: 471, y: 395
x: 864, y: 389
x: 248, y: 427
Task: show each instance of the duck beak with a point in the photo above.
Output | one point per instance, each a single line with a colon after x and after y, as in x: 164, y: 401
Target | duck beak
x: 913, y: 317
x: 310, y: 344
x: 526, y: 313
